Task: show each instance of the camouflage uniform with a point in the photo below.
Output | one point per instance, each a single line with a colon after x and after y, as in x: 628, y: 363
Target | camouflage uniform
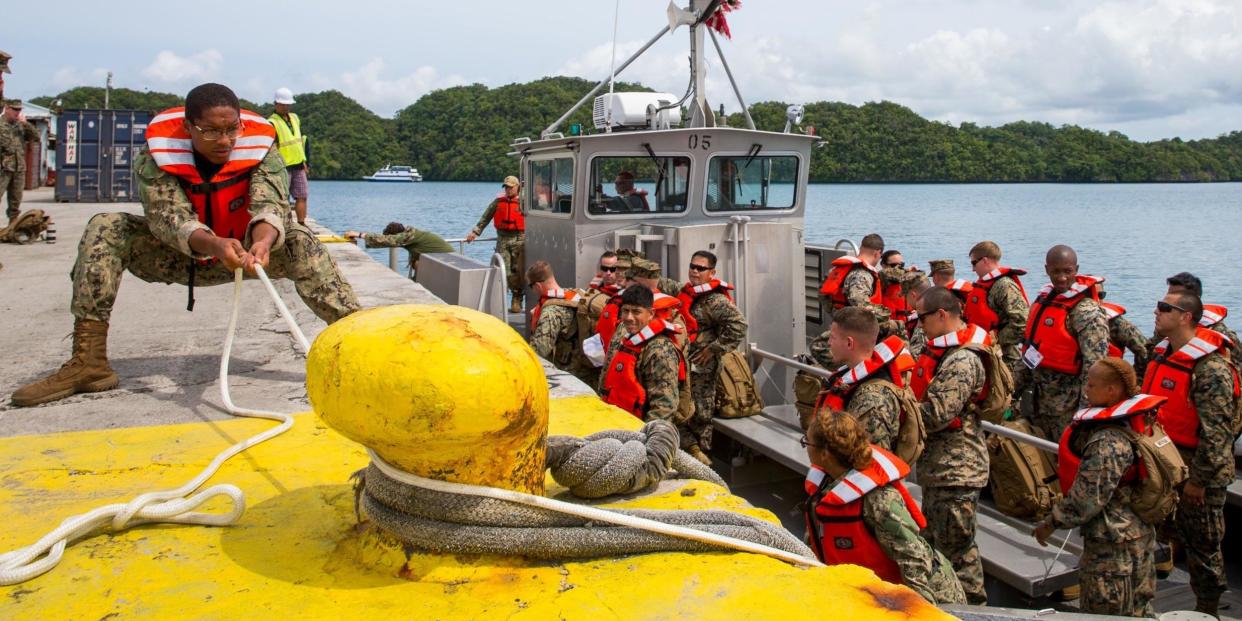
x: 1058, y: 395
x: 511, y: 245
x: 1235, y: 350
x: 657, y: 372
x: 13, y: 139
x: 923, y: 568
x: 820, y: 352
x: 1117, y: 569
x: 1202, y: 528
x: 556, y: 340
x: 156, y: 246
x: 1126, y: 335
x: 859, y: 286
x: 721, y: 329
x: 1011, y: 308
x: 414, y: 241
x: 876, y: 407
x: 917, y: 342
x: 954, y: 466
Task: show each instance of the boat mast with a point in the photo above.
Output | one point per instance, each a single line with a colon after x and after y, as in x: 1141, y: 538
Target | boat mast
x: 700, y: 113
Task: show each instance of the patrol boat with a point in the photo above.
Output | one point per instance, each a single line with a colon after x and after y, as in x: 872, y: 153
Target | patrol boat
x: 395, y: 173
x: 741, y: 194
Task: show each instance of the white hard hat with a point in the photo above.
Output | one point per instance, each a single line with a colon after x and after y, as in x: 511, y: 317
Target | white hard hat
x: 284, y: 96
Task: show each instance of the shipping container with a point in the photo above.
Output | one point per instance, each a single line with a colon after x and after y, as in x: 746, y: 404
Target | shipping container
x: 95, y: 150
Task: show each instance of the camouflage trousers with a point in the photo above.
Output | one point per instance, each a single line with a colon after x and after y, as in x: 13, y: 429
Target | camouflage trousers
x: 1057, y: 397
x: 1202, y: 531
x: 12, y: 183
x: 513, y: 249
x: 1119, y: 577
x: 951, y: 514
x: 703, y: 390
x: 115, y: 242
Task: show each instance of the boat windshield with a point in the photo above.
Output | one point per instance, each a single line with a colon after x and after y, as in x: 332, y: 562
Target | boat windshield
x: 639, y: 184
x: 552, y: 185
x: 743, y: 183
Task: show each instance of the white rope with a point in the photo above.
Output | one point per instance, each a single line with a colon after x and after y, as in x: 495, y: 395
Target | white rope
x: 589, y: 513
x: 169, y: 506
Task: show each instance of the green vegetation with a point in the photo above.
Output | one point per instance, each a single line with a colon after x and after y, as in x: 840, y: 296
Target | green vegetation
x: 463, y: 134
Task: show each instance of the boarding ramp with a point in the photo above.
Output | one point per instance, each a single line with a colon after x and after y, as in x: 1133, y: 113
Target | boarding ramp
x: 1010, y: 554
x: 461, y: 280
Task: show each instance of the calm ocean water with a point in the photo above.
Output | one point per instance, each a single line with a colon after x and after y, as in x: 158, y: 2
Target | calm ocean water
x: 1135, y: 235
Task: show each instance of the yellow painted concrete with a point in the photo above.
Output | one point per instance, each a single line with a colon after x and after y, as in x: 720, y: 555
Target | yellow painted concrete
x: 334, y: 239
x: 424, y: 385
x: 299, y: 552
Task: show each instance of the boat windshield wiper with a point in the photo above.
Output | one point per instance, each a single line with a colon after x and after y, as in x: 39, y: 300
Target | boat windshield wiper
x: 659, y: 168
x: 750, y: 155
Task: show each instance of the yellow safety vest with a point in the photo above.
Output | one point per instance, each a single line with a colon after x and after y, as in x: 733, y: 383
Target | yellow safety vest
x: 289, y: 140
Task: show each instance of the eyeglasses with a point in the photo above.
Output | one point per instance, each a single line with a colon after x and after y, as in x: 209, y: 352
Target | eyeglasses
x: 805, y: 442
x: 699, y: 268
x: 974, y: 262
x: 214, y: 133
x: 1165, y: 307
x: 607, y: 268
x: 897, y: 264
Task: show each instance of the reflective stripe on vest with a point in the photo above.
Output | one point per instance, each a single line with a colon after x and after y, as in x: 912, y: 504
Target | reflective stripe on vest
x: 621, y: 386
x: 553, y: 294
x: 891, y: 356
x: 834, y: 284
x: 1213, y: 314
x: 508, y: 215
x: 834, y: 515
x: 289, y: 140
x: 1047, y: 328
x: 1171, y: 375
x: 222, y: 202
x: 929, y: 362
x: 690, y: 293
x: 977, y: 308
x: 1113, y: 311
x: 1068, y: 461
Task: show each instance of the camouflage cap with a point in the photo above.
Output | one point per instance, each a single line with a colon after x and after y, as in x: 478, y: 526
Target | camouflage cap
x: 511, y: 182
x: 15, y: 104
x: 625, y: 256
x: 4, y: 61
x: 941, y: 265
x: 911, y: 281
x: 643, y: 268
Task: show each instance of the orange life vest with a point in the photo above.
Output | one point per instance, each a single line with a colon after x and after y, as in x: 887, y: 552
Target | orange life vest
x: 509, y: 215
x: 890, y: 360
x: 961, y: 289
x: 1113, y: 311
x: 977, y: 308
x: 1213, y: 314
x: 1170, y: 375
x: 690, y: 293
x: 1068, y: 461
x: 569, y: 295
x: 665, y: 305
x: 896, y: 302
x: 833, y: 286
x: 937, y: 348
x: 1047, y: 329
x: 621, y: 385
x: 597, y: 285
x: 222, y: 202
x: 609, y: 317
x: 834, y: 520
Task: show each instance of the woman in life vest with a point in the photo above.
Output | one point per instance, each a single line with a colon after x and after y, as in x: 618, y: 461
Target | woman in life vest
x: 860, y: 513
x: 1098, y: 468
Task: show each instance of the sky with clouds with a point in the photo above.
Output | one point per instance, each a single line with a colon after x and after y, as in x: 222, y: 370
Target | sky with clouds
x: 1147, y: 68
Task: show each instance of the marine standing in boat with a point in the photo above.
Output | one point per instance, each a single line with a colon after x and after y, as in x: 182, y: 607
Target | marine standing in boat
x: 510, y: 224
x: 998, y: 301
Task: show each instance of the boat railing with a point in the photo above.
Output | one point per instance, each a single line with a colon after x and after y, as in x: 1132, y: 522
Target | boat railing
x: 848, y: 242
x: 461, y: 242
x: 1013, y: 434
x: 394, y: 256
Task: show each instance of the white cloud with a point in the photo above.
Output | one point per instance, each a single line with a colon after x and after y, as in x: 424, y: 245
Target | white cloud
x: 69, y: 77
x: 172, y: 68
x: 369, y: 86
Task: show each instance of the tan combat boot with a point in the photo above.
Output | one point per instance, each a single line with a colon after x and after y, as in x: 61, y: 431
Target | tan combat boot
x: 516, y: 305
x: 86, y: 371
x: 697, y: 452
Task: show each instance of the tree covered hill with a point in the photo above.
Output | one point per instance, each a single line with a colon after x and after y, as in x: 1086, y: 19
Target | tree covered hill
x: 463, y: 133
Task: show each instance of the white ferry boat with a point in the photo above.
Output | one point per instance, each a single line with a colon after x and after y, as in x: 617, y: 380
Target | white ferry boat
x: 395, y: 173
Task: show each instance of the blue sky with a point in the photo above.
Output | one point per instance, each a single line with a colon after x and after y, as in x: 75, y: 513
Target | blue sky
x: 1147, y: 68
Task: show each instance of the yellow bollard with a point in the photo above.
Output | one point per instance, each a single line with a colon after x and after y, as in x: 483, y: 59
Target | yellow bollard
x: 443, y: 392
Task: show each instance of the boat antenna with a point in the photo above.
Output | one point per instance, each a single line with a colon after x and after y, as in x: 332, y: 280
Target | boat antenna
x: 612, y: 66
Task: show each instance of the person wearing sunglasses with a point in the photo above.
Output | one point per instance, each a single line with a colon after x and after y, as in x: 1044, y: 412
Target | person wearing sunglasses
x: 892, y: 269
x: 1066, y: 333
x: 1190, y: 368
x: 859, y: 511
x: 215, y: 198
x: 998, y: 302
x: 606, y: 274
x: 1213, y: 314
x: 555, y: 333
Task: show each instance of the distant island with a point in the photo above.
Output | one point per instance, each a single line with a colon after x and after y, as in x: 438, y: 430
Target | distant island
x: 462, y: 134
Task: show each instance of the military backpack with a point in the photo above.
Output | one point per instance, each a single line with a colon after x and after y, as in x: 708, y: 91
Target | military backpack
x: 1155, y: 495
x: 998, y: 389
x: 1023, y: 477
x: 736, y: 393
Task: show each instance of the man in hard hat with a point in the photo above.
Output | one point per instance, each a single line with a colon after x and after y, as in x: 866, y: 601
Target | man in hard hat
x: 292, y: 146
x: 214, y: 199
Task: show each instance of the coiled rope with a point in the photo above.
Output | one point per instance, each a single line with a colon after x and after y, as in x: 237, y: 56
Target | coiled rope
x: 174, y: 506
